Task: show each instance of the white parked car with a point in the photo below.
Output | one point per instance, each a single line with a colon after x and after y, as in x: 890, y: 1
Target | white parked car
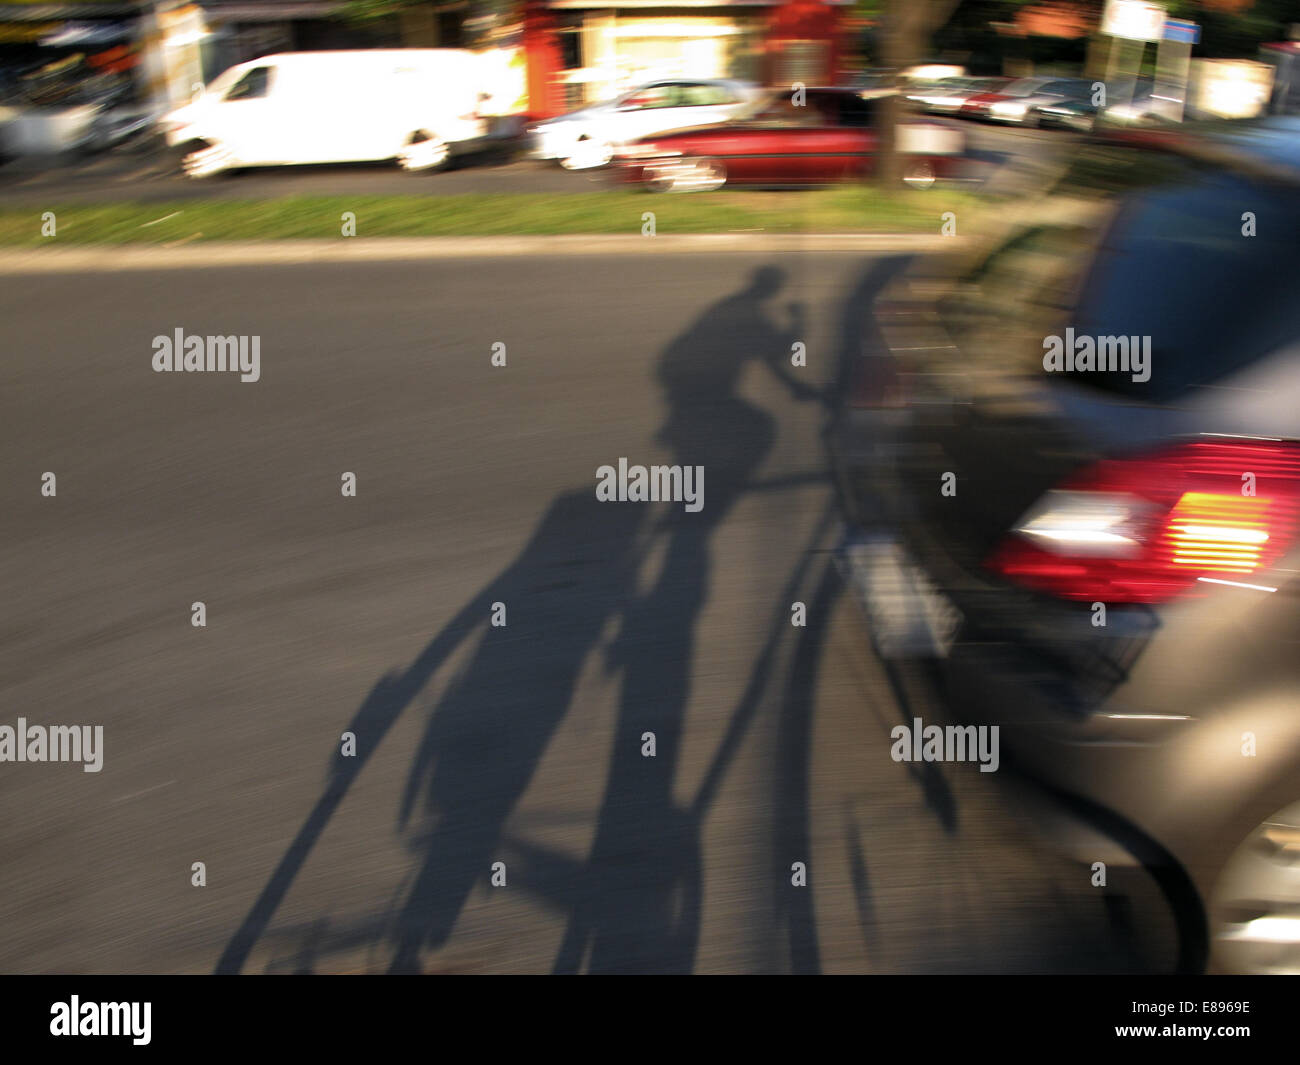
x: 590, y: 137
x: 415, y: 105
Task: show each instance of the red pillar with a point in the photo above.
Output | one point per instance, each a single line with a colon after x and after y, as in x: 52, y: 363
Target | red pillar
x: 542, y: 52
x: 809, y: 27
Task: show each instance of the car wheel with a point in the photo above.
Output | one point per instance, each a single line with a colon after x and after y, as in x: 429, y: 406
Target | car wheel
x: 657, y: 179
x: 919, y: 174
x: 203, y: 159
x: 424, y: 152
x: 686, y: 175
x: 588, y: 154
x: 1254, y: 906
x: 703, y: 176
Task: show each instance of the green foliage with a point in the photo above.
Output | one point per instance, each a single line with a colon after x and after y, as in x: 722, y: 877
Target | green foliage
x: 374, y: 10
x: 1226, y: 34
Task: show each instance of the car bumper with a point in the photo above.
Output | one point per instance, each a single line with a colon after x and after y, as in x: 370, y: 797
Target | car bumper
x: 536, y: 149
x: 178, y: 135
x: 549, y: 144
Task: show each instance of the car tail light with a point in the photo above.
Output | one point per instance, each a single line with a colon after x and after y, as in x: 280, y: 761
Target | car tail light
x: 1151, y: 527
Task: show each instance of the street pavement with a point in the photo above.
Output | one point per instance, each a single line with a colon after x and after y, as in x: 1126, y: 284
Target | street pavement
x: 370, y: 616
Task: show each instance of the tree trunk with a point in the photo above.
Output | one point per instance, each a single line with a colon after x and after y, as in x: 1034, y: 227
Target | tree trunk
x: 905, y: 38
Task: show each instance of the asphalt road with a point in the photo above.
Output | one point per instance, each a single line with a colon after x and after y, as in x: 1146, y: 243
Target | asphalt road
x: 126, y: 175
x: 520, y: 744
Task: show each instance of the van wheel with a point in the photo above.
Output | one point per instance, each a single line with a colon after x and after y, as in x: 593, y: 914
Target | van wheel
x: 202, y: 159
x: 424, y: 151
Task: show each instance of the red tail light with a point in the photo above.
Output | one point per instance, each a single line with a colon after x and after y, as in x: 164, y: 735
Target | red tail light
x: 1148, y: 528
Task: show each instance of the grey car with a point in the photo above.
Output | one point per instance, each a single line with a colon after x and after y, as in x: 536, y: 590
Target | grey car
x: 1072, y: 467
x: 1017, y: 103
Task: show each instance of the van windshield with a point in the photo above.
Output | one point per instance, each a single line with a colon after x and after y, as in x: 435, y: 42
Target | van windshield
x: 217, y: 86
x: 255, y: 84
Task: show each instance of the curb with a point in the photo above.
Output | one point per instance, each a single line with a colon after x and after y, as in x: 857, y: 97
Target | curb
x: 41, y: 260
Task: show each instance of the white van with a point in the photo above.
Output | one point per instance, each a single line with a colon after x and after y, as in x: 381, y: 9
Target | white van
x: 416, y: 105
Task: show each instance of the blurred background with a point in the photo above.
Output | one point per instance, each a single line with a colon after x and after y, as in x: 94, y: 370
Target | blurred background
x: 79, y: 79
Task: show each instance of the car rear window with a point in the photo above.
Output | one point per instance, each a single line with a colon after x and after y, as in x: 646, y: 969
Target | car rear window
x: 1168, y: 259
x: 1178, y: 266
x: 855, y: 111
x: 655, y: 96
x: 1074, y: 89
x: 1027, y: 87
x: 782, y: 111
x: 707, y: 96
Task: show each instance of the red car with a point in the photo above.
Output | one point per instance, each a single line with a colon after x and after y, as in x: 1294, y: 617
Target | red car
x: 830, y: 136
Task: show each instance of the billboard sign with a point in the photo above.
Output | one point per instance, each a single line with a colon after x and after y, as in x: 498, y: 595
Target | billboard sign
x: 1135, y: 20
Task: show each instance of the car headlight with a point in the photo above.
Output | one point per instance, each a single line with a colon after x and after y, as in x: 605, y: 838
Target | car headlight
x: 1009, y: 110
